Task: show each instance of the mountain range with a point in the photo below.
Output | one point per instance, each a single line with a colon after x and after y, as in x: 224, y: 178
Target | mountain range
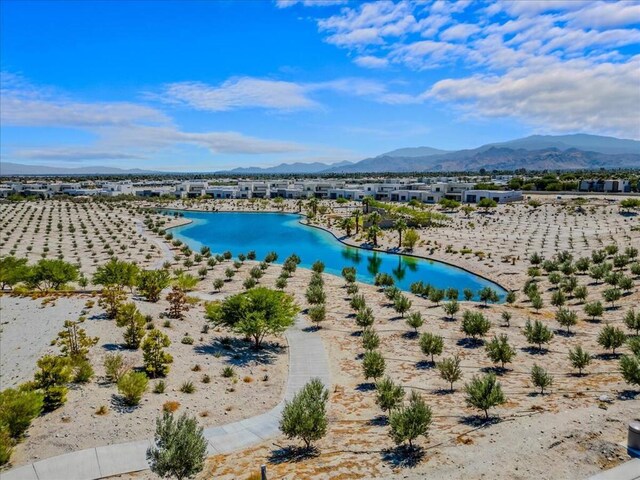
x: 536, y: 152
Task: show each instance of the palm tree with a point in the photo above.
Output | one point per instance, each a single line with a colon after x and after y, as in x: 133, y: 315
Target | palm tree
x: 313, y: 205
x: 366, y: 201
x: 299, y: 204
x: 375, y: 218
x: 400, y: 226
x: 356, y: 214
x: 372, y: 234
x: 347, y: 224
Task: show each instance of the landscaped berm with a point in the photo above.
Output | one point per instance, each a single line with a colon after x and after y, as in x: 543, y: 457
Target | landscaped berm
x: 116, y: 328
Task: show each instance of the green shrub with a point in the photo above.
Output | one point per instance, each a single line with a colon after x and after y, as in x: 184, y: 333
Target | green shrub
x: 83, y: 371
x: 159, y: 387
x: 114, y: 366
x: 6, y: 446
x: 54, y: 374
x: 187, y: 387
x: 132, y: 386
x: 228, y: 372
x: 17, y: 408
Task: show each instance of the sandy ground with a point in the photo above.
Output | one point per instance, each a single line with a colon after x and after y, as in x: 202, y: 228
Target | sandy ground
x: 258, y: 384
x: 568, y: 433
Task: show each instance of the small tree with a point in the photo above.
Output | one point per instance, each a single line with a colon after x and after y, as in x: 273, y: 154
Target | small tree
x: 579, y: 358
x: 318, y: 313
x: 632, y: 321
x: 612, y: 295
x: 152, y: 282
x: 13, y: 271
x: 451, y: 308
x: 51, y: 378
x: 111, y: 298
x: 474, y: 324
x: 537, y: 302
x: 484, y: 393
x: 177, y: 299
x: 558, y: 299
x: 611, y: 337
x: 373, y: 365
x: 540, y: 378
x: 156, y: 360
x: 630, y: 369
x: 410, y: 422
x: 116, y: 272
x: 370, y: 339
x: 415, y: 321
x: 305, y: 416
x: 51, y: 274
x: 315, y: 294
x: 431, y: 344
x: 537, y: 333
x: 256, y: 313
x: 499, y: 350
x: 179, y: 447
x: 349, y: 274
x: 411, y: 237
x: 134, y: 322
x: 594, y: 310
x: 488, y: 294
x: 132, y: 386
x: 74, y: 341
x: 450, y: 370
x: 364, y: 317
x: 402, y: 304
x: 566, y: 318
x: 388, y: 394
x: 218, y: 283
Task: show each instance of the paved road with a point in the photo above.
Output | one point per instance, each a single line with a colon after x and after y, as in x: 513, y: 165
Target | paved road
x: 307, y: 359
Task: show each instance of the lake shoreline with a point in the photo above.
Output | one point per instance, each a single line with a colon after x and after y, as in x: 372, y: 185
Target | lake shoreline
x: 341, y: 241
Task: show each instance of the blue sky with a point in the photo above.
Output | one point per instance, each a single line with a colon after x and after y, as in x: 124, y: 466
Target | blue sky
x: 210, y: 85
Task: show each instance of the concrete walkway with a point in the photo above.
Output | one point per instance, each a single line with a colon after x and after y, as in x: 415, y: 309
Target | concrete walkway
x: 307, y: 359
x: 627, y: 471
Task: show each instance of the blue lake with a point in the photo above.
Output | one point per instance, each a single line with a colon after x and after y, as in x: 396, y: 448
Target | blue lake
x: 284, y: 234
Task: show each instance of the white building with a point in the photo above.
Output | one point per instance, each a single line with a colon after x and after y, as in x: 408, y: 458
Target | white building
x: 474, y: 196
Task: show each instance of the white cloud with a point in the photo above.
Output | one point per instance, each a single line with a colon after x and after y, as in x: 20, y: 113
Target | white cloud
x: 568, y: 96
x: 309, y: 3
x: 71, y: 154
x: 461, y: 31
x: 555, y: 64
x: 371, y: 61
x: 24, y: 104
x: 425, y: 53
x: 241, y: 92
x: 249, y: 92
x: 123, y: 130
x: 606, y: 14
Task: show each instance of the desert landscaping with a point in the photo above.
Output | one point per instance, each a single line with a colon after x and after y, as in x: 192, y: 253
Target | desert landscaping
x: 541, y: 249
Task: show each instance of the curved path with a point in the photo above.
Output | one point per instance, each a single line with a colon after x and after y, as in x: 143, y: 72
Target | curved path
x: 307, y: 359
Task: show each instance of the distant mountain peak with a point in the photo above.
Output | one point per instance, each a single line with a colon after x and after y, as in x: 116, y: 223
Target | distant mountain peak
x: 414, y: 152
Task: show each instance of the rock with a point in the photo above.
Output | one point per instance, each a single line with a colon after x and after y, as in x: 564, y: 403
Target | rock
x: 605, y: 398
